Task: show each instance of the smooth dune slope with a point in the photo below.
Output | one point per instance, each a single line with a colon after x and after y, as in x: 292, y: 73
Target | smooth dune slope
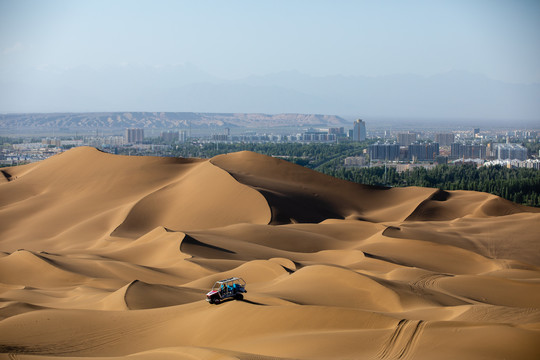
x: 297, y: 194
x: 83, y: 195
x: 109, y: 257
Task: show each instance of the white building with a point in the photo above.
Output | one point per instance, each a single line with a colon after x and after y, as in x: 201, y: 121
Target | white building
x: 511, y: 151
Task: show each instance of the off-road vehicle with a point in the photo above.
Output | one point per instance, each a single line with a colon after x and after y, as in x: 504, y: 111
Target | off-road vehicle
x: 226, y: 289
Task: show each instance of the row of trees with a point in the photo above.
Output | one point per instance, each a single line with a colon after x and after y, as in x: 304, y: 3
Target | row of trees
x: 311, y: 155
x: 518, y: 185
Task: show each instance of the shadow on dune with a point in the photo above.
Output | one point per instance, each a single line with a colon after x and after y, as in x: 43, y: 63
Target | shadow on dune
x: 198, y: 248
x: 443, y: 206
x: 352, y: 271
x: 140, y: 295
x: 298, y: 209
x: 6, y: 175
x: 244, y: 300
x: 299, y: 195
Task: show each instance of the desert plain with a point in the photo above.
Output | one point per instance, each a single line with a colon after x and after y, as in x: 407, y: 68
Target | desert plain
x: 106, y: 257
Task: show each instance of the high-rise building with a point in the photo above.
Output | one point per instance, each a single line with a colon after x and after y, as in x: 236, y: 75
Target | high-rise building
x: 468, y: 151
x: 337, y: 131
x: 134, y: 136
x: 169, y: 136
x: 182, y: 136
x: 423, y: 152
x: 359, y: 131
x: 511, y: 151
x: 388, y: 152
x: 406, y: 138
x: 314, y: 135
x: 444, y: 139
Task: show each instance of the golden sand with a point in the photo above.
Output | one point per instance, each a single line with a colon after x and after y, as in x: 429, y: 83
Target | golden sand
x: 104, y: 257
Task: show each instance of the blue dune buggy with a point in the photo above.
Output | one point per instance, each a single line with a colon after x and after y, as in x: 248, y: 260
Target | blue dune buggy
x: 226, y: 289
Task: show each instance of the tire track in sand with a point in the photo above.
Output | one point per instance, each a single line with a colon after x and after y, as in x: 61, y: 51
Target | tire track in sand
x: 403, y: 340
x: 428, y: 281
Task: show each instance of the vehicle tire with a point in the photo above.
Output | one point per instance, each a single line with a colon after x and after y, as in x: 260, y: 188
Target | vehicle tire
x: 239, y: 297
x: 211, y: 301
x: 217, y: 301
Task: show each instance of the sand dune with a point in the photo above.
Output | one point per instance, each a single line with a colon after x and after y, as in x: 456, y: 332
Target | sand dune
x: 106, y: 257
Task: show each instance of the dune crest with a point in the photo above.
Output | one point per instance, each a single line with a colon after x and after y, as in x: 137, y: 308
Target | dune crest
x: 107, y: 257
x: 300, y: 195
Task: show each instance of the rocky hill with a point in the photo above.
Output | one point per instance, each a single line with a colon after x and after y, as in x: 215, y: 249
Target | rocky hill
x: 163, y: 120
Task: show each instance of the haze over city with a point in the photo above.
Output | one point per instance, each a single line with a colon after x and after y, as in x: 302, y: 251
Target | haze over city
x: 270, y: 179
x: 427, y: 59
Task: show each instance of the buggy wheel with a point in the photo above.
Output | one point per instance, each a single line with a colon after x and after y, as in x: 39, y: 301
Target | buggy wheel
x: 239, y: 296
x: 217, y: 300
x: 211, y: 301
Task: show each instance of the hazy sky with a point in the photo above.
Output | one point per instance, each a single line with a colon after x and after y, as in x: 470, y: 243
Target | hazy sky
x: 233, y: 39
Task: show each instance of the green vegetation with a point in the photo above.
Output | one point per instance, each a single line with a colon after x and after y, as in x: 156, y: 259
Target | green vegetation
x: 313, y: 156
x: 532, y: 147
x: 518, y: 185
x: 521, y: 185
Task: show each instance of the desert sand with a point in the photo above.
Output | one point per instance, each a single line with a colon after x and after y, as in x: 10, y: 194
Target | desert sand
x: 106, y: 257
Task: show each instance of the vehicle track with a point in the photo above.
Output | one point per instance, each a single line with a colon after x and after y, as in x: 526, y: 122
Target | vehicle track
x: 93, y: 339
x: 428, y: 281
x: 403, y: 340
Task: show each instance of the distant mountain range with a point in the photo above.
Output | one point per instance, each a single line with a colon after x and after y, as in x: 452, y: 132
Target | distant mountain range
x: 163, y: 120
x: 455, y: 94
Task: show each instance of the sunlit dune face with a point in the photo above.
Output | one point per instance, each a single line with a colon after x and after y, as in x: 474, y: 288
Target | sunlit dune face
x: 109, y: 256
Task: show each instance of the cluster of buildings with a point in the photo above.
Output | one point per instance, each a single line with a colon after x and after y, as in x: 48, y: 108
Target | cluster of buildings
x: 136, y: 136
x: 333, y: 134
x: 409, y: 149
x: 357, y: 133
x: 170, y: 137
x: 403, y: 148
x: 514, y: 163
x: 429, y: 151
x: 396, y: 152
x: 330, y: 135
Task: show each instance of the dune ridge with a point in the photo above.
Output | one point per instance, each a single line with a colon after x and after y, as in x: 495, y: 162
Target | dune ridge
x: 105, y: 257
